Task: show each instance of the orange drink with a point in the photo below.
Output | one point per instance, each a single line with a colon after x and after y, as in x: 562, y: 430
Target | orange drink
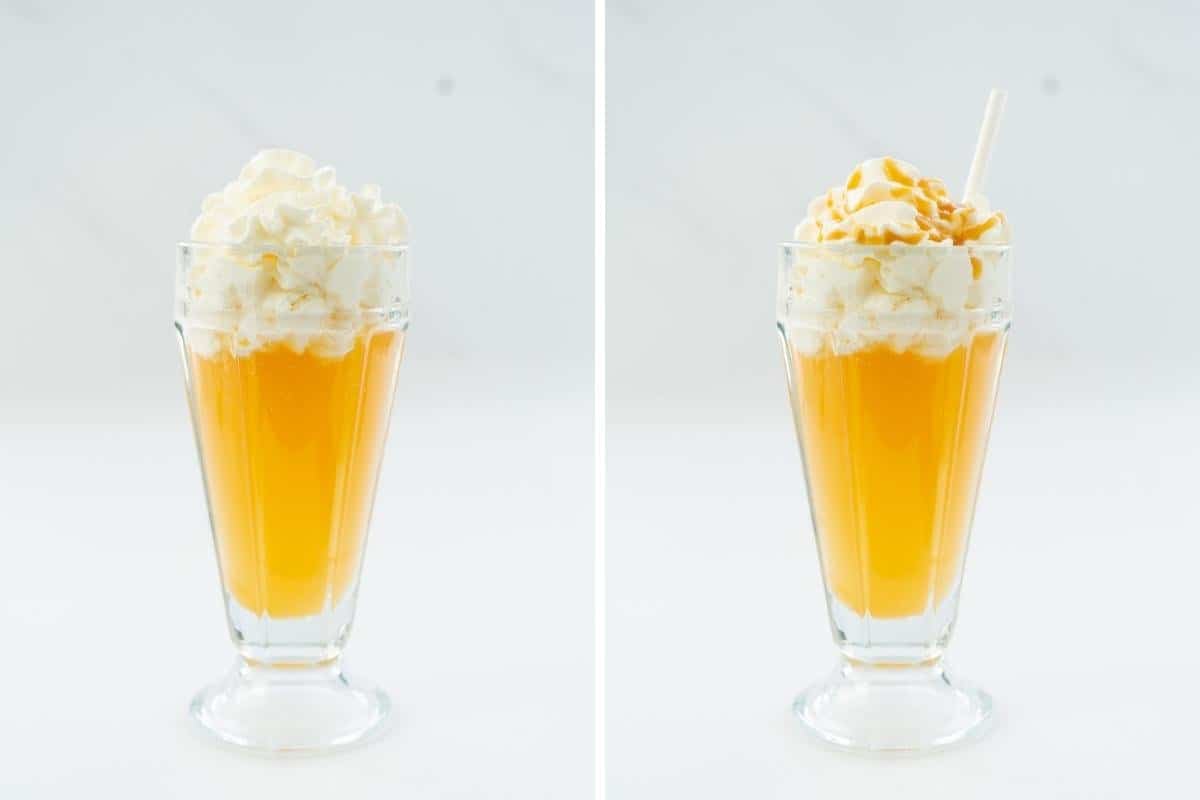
x: 894, y: 304
x: 893, y: 446
x: 291, y: 304
x: 893, y: 355
x: 291, y: 357
x: 291, y: 444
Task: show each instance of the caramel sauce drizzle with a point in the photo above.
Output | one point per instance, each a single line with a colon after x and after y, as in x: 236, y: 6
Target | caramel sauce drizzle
x: 938, y: 218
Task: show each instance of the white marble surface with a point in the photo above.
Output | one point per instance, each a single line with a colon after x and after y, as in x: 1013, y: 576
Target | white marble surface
x: 476, y: 606
x: 723, y: 126
x: 1080, y: 591
x: 119, y: 117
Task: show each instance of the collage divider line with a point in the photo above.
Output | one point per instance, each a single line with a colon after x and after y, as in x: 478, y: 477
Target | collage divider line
x: 599, y: 415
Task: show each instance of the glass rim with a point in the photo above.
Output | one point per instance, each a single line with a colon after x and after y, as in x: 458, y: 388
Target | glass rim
x: 302, y: 249
x: 993, y: 247
x: 339, y: 317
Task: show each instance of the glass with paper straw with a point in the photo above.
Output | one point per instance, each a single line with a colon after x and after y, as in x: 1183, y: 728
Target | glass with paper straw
x: 894, y: 305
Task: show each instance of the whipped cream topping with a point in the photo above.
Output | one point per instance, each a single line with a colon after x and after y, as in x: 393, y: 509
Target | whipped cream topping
x: 890, y: 259
x: 293, y: 270
x: 886, y: 200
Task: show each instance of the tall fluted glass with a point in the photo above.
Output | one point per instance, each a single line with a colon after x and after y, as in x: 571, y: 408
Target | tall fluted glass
x: 893, y: 357
x: 290, y: 404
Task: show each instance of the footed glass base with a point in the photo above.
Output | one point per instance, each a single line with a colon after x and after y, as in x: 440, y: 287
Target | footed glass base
x: 298, y: 709
x: 893, y: 708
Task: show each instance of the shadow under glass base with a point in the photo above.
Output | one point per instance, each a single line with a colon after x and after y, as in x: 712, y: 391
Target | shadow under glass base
x: 893, y: 709
x: 309, y: 709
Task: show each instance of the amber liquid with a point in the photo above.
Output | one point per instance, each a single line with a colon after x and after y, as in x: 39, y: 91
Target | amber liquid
x: 894, y: 446
x: 291, y: 444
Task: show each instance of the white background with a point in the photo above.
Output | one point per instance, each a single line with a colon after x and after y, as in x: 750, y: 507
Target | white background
x: 115, y: 120
x: 722, y: 123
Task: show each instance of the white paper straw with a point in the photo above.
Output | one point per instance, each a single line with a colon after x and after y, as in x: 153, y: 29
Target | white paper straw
x: 983, y: 147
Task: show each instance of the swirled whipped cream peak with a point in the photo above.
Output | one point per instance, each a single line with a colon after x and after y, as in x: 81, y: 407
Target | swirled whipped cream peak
x: 294, y: 271
x: 888, y: 258
x: 282, y: 198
